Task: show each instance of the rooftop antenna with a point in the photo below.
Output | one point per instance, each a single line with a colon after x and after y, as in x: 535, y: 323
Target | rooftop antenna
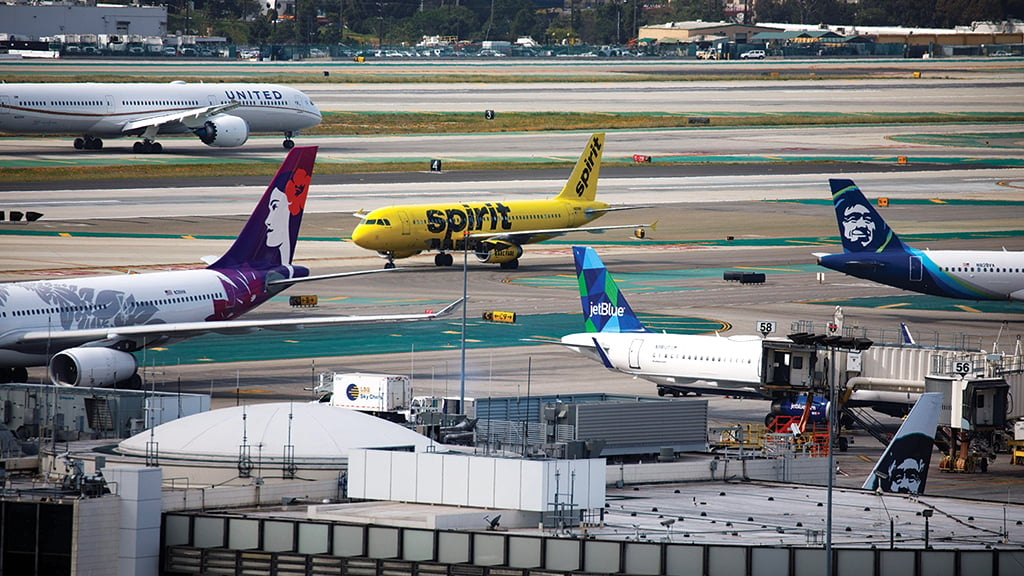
x: 244, y: 451
x: 288, y: 468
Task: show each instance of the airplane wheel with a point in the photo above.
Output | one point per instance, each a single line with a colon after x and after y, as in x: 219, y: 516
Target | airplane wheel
x: 448, y: 260
x: 157, y: 148
x: 439, y: 260
x: 389, y: 265
x: 97, y: 144
x: 138, y: 148
x: 79, y: 143
x: 288, y: 144
x: 510, y: 265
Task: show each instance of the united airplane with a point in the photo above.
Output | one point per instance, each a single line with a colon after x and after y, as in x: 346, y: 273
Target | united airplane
x: 220, y: 115
x: 872, y: 251
x: 84, y: 329
x: 494, y: 231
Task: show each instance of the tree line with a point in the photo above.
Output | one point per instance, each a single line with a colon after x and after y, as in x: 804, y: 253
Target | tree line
x: 613, y: 22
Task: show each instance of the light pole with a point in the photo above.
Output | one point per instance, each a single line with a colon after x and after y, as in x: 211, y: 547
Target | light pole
x: 927, y: 513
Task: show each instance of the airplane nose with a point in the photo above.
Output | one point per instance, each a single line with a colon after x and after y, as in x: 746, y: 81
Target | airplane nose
x: 360, y: 235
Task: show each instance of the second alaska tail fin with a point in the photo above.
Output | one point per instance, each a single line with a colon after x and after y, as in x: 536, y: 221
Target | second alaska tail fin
x: 903, y: 466
x: 604, y: 308
x: 268, y: 238
x: 582, y: 183
x: 860, y: 226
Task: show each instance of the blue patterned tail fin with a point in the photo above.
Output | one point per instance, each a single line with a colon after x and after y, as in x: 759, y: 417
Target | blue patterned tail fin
x: 268, y: 238
x: 604, y: 308
x: 861, y: 227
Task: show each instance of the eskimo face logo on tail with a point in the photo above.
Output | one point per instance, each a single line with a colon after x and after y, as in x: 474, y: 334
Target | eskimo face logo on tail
x: 588, y: 165
x: 858, y: 225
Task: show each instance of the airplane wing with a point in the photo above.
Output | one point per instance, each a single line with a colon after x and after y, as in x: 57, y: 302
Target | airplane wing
x: 113, y: 334
x: 290, y: 281
x: 191, y: 117
x: 524, y: 236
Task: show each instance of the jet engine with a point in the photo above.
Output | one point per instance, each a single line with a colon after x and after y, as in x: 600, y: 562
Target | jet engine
x: 498, y: 252
x: 795, y: 407
x: 91, y: 367
x: 223, y: 131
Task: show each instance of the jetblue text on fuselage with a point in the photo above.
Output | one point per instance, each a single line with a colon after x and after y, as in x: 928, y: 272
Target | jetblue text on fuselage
x: 253, y: 95
x: 588, y: 164
x: 456, y: 220
x: 606, y: 309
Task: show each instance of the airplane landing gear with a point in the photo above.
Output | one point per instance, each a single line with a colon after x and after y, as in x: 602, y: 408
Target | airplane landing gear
x: 288, y: 142
x: 389, y: 265
x: 510, y: 265
x: 443, y: 259
x: 88, y: 143
x: 147, y: 147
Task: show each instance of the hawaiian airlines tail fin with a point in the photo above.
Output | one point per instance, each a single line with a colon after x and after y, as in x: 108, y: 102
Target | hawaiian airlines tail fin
x: 268, y: 237
x: 860, y: 226
x: 604, y: 308
x: 582, y: 183
x: 903, y: 466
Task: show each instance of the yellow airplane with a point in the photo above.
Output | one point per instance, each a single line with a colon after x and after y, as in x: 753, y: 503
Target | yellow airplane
x: 494, y: 231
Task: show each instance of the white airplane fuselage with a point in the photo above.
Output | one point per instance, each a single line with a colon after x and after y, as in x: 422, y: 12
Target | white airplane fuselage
x: 718, y: 364
x: 102, y: 110
x: 100, y: 302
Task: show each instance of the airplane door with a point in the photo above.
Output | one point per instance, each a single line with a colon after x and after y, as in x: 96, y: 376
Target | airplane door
x: 406, y: 224
x: 5, y: 105
x: 916, y: 270
x: 110, y: 103
x: 634, y: 353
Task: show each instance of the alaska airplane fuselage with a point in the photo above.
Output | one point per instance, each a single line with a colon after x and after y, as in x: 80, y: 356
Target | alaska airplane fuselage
x: 221, y: 115
x: 963, y: 274
x: 873, y: 251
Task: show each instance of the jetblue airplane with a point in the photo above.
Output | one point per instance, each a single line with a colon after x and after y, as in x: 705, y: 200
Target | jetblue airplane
x: 872, y: 251
x: 220, y: 115
x: 615, y: 337
x: 84, y: 329
x: 903, y: 467
x: 686, y: 363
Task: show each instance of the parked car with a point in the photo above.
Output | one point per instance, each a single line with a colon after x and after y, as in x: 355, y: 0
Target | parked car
x: 753, y: 55
x: 1002, y: 53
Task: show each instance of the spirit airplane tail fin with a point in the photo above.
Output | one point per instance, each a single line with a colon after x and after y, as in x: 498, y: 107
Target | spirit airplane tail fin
x: 604, y: 308
x: 903, y: 466
x: 860, y: 226
x: 268, y: 238
x: 582, y: 183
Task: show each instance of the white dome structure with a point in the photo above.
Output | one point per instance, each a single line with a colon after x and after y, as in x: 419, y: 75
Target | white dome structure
x: 321, y: 435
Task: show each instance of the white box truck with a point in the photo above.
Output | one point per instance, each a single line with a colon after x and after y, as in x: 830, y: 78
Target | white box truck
x: 374, y: 393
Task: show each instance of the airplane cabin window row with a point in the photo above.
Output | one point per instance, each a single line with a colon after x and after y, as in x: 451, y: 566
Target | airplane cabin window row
x: 962, y: 269
x: 91, y: 307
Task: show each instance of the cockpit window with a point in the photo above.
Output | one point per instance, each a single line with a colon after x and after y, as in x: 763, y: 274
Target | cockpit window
x: 370, y: 222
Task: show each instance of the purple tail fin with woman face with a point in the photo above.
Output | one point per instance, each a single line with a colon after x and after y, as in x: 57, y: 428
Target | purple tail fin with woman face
x: 268, y: 238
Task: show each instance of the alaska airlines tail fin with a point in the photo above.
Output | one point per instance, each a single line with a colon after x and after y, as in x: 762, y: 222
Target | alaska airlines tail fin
x: 604, y: 308
x: 903, y: 466
x: 268, y: 237
x: 582, y: 183
x: 860, y: 225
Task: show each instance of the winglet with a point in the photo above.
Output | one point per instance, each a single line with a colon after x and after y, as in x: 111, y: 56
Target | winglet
x: 604, y: 357
x: 449, y: 308
x: 908, y: 338
x: 903, y: 466
x: 268, y: 238
x: 604, y: 308
x: 582, y: 183
x: 861, y: 227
